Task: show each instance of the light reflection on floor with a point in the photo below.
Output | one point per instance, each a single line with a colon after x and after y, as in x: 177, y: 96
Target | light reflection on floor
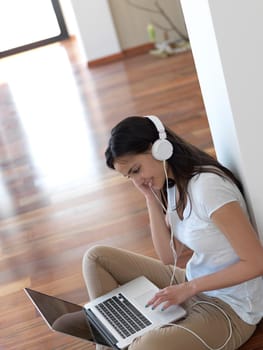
x: 52, y: 115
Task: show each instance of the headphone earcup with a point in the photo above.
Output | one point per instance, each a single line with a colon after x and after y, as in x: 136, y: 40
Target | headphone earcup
x: 162, y: 149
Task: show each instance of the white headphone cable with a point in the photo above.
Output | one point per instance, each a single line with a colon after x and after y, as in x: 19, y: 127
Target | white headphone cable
x: 171, y: 231
x: 158, y: 199
x: 198, y: 337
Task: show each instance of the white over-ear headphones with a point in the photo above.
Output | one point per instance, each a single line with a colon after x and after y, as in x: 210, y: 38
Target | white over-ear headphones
x: 162, y: 149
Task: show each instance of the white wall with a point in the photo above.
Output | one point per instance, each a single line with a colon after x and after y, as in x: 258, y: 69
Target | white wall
x: 226, y: 39
x: 96, y: 28
x: 68, y: 14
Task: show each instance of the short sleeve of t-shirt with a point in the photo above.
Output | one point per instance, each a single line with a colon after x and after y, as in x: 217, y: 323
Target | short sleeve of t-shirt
x: 209, y: 192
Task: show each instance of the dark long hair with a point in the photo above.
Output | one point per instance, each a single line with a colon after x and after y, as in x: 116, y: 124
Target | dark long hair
x: 135, y: 135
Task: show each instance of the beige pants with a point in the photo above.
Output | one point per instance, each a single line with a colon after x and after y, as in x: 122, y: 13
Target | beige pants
x: 104, y: 268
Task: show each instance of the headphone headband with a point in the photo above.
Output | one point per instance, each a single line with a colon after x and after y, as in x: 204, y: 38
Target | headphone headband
x: 159, y: 125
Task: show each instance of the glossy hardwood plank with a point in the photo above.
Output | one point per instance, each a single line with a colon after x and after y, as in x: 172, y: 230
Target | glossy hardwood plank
x: 57, y: 196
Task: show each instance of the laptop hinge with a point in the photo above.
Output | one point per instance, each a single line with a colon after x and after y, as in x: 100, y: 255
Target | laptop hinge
x: 97, y: 324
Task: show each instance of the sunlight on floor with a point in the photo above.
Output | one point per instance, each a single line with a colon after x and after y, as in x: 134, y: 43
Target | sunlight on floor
x: 52, y: 114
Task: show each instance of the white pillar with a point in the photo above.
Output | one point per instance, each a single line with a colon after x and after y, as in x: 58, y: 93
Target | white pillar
x: 226, y: 40
x: 96, y: 28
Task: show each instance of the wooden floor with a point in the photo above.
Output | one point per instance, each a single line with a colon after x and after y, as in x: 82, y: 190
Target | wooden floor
x: 57, y: 198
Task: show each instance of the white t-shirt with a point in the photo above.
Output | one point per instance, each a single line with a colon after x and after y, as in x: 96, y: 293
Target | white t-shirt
x: 212, y: 251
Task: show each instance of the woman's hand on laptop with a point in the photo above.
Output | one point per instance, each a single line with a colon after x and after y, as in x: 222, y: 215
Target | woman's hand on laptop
x: 172, y: 295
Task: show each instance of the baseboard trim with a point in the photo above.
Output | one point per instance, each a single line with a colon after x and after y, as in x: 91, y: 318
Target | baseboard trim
x: 137, y: 50
x: 133, y: 51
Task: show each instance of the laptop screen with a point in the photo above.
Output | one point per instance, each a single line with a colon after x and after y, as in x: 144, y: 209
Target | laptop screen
x: 65, y: 317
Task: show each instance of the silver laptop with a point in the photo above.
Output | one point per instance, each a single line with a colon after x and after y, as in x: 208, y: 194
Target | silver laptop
x: 114, y: 319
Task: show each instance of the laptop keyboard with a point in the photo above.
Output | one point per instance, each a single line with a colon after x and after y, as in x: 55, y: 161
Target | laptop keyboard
x: 122, y: 315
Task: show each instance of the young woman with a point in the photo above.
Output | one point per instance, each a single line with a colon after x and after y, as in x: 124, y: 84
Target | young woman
x: 194, y: 201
